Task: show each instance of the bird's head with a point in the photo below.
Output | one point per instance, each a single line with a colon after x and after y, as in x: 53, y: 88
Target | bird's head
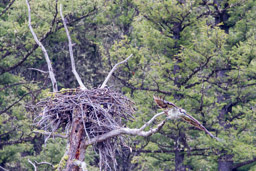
x: 175, y: 113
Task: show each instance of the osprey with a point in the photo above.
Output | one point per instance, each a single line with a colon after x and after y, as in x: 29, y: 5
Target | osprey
x: 174, y: 112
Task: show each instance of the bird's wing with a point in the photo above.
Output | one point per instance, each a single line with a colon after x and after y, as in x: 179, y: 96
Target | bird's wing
x: 190, y: 119
x: 163, y: 103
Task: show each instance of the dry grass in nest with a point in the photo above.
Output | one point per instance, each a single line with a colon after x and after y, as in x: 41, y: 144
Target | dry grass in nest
x: 102, y: 110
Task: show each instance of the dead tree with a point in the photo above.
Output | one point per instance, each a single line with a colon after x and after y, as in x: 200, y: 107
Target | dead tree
x: 86, y: 117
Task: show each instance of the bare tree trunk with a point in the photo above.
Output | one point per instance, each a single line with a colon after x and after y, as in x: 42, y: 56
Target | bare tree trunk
x: 77, y: 145
x: 179, y: 158
x: 225, y: 163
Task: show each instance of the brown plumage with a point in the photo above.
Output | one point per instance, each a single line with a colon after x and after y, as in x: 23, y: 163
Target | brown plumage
x: 163, y: 103
x: 175, y: 112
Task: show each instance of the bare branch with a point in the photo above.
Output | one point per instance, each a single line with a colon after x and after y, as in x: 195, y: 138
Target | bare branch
x: 50, y: 134
x: 40, y: 163
x: 35, y: 168
x: 81, y: 164
x: 16, y: 102
x: 47, y: 34
x: 151, y: 120
x: 129, y: 131
x: 39, y: 70
x: 8, y: 6
x: 13, y: 104
x: 55, y: 15
x: 51, y: 74
x: 12, y: 85
x: 237, y: 165
x: 3, y: 169
x: 113, y: 69
x: 71, y: 52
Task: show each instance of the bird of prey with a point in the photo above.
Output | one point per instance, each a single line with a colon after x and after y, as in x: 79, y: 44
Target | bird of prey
x: 174, y: 112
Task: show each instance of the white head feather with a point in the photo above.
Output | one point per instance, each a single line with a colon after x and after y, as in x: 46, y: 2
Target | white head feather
x: 175, y: 113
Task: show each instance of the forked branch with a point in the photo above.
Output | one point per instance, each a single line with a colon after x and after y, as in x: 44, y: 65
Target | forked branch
x: 113, y: 69
x: 36, y: 163
x: 35, y: 168
x: 71, y: 52
x: 49, y: 64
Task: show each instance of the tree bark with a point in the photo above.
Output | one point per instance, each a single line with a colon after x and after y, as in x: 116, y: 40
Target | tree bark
x: 225, y: 163
x: 77, y: 145
x: 179, y: 158
x: 222, y: 15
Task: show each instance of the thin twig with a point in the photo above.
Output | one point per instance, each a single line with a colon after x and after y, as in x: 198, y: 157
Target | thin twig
x: 51, y: 74
x: 113, y: 69
x: 82, y: 86
x: 39, y: 163
x: 39, y: 70
x: 8, y: 6
x: 35, y: 168
x: 12, y: 85
x: 16, y: 102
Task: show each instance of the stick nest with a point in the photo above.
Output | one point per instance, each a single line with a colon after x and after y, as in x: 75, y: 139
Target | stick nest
x: 101, y: 110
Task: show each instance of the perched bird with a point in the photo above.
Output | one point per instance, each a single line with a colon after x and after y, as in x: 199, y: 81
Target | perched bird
x: 174, y: 112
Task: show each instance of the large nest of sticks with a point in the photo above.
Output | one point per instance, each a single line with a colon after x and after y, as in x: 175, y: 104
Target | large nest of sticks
x: 101, y: 110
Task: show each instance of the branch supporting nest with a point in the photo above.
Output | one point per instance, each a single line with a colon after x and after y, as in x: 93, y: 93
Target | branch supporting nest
x: 49, y: 64
x: 129, y: 131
